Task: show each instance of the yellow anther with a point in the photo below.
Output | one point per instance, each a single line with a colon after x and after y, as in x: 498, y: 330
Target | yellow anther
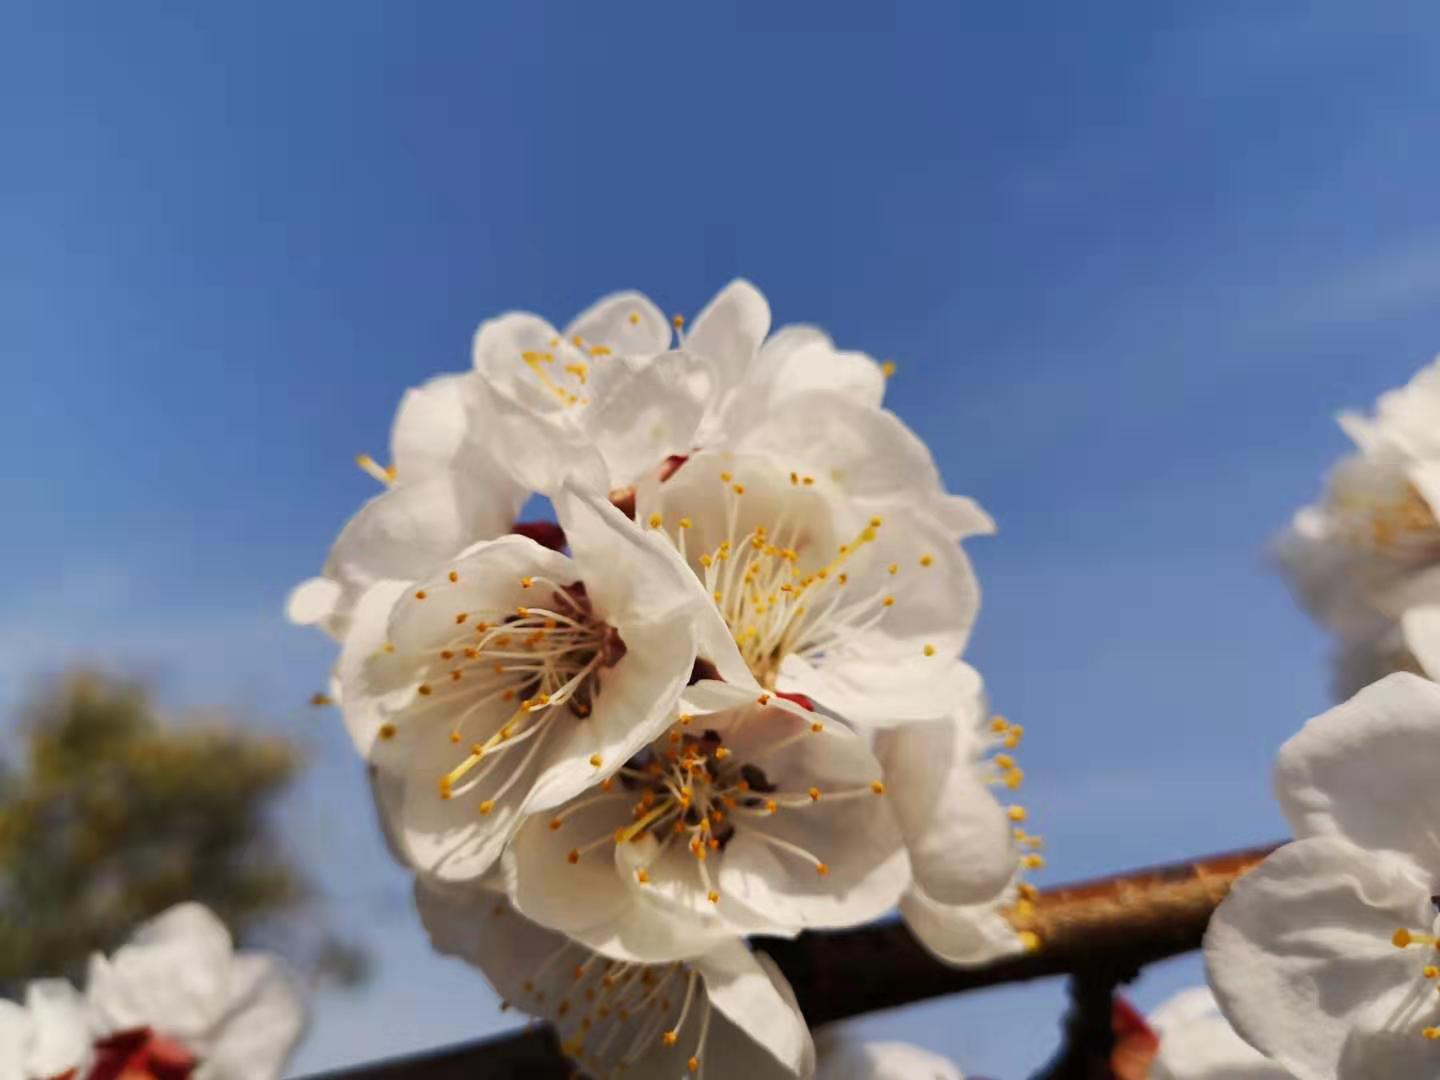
x: 998, y: 724
x: 739, y: 489
x: 420, y: 594
x: 1017, y: 813
x: 573, y: 857
x: 526, y: 582
x: 642, y: 876
x: 888, y: 368
x: 387, y: 731
x: 771, y: 805
x: 1014, y: 778
x: 460, y: 617
x: 713, y: 896
x: 670, y: 1038
x: 1401, y: 938
x: 822, y: 869
x: 556, y: 822
x: 816, y: 727
x: 877, y: 786
x: 726, y: 477
x: 693, y: 1064
x: 814, y: 794
x: 1029, y: 941
x: 1032, y: 862
x: 1431, y: 1033
x: 320, y: 698
x: 634, y: 318
x: 1004, y: 761
x: 889, y: 601
x: 876, y: 522
x: 595, y: 760
x: 893, y: 568
x: 487, y: 806
x: 1430, y: 971
x: 927, y: 560
x: 424, y: 689
x: 685, y: 523
x: 655, y: 520
x: 677, y: 321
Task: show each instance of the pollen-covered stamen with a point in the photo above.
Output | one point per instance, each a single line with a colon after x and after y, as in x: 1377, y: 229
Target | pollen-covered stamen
x: 382, y: 473
x: 541, y: 662
x: 775, y: 602
x: 543, y: 366
x: 1430, y: 944
x: 693, y: 791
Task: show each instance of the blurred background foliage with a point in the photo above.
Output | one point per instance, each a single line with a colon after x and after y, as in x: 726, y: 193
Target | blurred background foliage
x: 109, y: 814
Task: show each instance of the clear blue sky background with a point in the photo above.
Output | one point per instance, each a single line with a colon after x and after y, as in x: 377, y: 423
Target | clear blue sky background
x: 1130, y: 259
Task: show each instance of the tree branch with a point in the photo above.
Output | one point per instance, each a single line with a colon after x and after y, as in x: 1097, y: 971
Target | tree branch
x: 1103, y: 932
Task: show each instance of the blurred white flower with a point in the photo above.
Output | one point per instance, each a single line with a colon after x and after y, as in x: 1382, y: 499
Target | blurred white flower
x: 1324, y: 956
x: 864, y: 614
x: 1365, y: 560
x: 748, y: 816
x: 444, y: 492
x: 967, y: 852
x: 726, y: 1013
x: 46, y: 1037
x: 176, y: 1001
x: 1198, y: 1043
x: 840, y: 1057
x: 512, y: 677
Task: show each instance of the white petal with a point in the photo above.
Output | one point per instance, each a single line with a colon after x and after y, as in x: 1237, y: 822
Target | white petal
x: 1421, y: 627
x: 312, y: 601
x: 857, y: 838
x: 730, y: 329
x: 171, y: 976
x: 963, y: 935
x: 625, y: 323
x: 1303, y: 943
x: 374, y: 684
x: 265, y: 1020
x: 1198, y: 1043
x: 15, y: 1041
x: 429, y: 427
x: 1363, y: 770
x: 843, y: 1059
x: 961, y: 849
x: 749, y: 990
x: 641, y: 413
x: 60, y: 1028
x: 877, y: 694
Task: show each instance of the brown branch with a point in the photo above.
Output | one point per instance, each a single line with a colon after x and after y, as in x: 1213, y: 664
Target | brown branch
x: 1101, y: 931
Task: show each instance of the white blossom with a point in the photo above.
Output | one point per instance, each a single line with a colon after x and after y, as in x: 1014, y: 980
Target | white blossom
x: 1198, y: 1043
x: 725, y: 1013
x: 842, y: 1057
x: 1323, y: 957
x: 748, y: 816
x: 968, y: 853
x: 865, y: 614
x: 443, y: 492
x: 177, y: 993
x: 1365, y: 559
x: 512, y: 677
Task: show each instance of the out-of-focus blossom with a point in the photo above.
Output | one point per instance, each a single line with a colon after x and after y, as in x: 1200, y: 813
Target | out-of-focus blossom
x: 1323, y: 957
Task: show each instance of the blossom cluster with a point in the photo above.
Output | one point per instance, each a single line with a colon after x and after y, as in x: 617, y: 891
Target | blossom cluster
x: 176, y: 1003
x: 720, y: 695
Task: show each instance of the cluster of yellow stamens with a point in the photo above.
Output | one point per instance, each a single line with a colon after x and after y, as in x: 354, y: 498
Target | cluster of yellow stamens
x: 1404, y: 939
x: 504, y: 676
x: 613, y: 1012
x: 1400, y: 523
x: 689, y: 788
x: 773, y: 606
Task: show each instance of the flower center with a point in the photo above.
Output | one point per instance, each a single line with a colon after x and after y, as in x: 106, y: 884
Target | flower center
x: 692, y: 790
x: 140, y: 1054
x: 542, y: 662
x: 777, y: 594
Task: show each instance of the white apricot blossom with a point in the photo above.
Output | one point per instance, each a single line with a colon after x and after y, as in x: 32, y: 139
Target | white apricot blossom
x: 48, y: 1036
x: 444, y: 492
x: 1365, y: 559
x: 841, y: 1057
x: 968, y: 853
x: 725, y: 1013
x: 748, y: 816
x: 512, y: 677
x: 864, y: 614
x: 177, y: 1000
x: 607, y: 400
x: 1196, y: 1042
x: 1323, y: 957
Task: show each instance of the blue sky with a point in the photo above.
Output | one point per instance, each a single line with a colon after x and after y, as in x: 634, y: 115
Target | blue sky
x: 1130, y: 261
